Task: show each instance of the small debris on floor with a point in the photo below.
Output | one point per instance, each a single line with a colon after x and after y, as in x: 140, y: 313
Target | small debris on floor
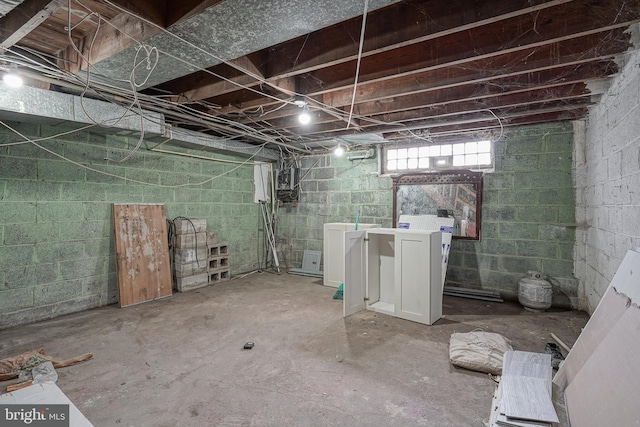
x: 556, y: 355
x: 12, y: 366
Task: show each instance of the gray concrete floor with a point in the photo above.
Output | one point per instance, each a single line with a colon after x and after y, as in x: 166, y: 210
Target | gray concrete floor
x: 179, y: 361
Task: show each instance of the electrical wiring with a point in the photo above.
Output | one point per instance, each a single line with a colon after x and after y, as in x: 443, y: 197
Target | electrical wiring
x: 202, y: 69
x: 59, y: 77
x: 248, y: 131
x: 179, y: 106
x: 295, y: 61
x: 231, y: 133
x: 201, y: 157
x: 285, y: 137
x: 60, y: 156
x: 249, y: 88
x: 46, y: 138
x: 410, y: 132
x: 150, y: 51
x: 216, y: 57
x: 135, y: 103
x: 250, y: 134
x: 86, y: 88
x: 307, y: 173
x: 355, y: 83
x: 499, y: 122
x: 172, y: 234
x: 413, y: 134
x: 72, y: 43
x: 330, y: 110
x: 259, y: 113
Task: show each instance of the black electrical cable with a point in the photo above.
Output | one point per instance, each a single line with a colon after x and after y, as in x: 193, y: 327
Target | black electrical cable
x: 258, y: 246
x: 194, y: 232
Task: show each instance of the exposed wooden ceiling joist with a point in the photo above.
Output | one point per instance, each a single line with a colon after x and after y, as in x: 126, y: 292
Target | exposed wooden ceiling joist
x: 434, y: 66
x: 410, y: 24
x: 23, y: 19
x: 455, y: 50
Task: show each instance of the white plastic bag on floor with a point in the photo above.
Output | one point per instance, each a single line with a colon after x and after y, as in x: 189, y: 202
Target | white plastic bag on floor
x: 44, y: 372
x: 478, y: 351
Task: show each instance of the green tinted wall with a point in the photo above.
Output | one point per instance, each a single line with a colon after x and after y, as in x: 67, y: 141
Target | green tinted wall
x: 56, y: 236
x: 528, y: 212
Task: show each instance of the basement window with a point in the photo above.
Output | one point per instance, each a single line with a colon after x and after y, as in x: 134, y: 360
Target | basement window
x: 462, y: 155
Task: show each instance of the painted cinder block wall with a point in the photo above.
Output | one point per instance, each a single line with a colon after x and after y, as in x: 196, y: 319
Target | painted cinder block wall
x: 56, y: 234
x: 528, y: 216
x: 608, y: 184
x: 528, y: 212
x: 333, y: 190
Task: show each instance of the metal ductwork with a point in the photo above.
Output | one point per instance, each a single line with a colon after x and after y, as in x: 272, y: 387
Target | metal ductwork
x: 31, y: 105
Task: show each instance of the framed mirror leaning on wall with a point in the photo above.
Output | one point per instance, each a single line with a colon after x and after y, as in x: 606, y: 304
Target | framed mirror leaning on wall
x: 454, y: 193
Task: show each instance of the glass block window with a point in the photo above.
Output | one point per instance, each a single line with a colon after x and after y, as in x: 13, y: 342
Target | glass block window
x: 464, y: 155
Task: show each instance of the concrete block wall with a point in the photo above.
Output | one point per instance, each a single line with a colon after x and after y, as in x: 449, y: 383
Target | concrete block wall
x: 608, y: 184
x: 528, y: 217
x: 528, y: 212
x: 56, y: 235
x: 333, y: 190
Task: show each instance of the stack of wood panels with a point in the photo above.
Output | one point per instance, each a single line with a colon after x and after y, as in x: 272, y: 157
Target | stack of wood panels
x: 523, y: 398
x: 190, y: 254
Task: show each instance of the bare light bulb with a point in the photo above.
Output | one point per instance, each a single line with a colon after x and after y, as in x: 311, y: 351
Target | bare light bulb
x: 304, y: 117
x: 339, y: 151
x: 12, y: 80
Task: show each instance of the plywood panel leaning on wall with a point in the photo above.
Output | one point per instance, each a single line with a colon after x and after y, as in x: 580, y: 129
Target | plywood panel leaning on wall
x: 142, y: 253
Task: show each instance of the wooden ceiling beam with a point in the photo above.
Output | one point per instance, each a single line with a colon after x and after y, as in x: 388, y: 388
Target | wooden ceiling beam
x: 124, y: 30
x: 504, y: 115
x: 478, y: 95
x: 554, y: 56
x: 24, y: 18
x: 551, y: 80
x: 457, y: 133
x: 411, y: 23
x: 394, y: 27
x: 222, y: 78
x: 521, y: 83
x: 569, y: 93
x: 45, y: 39
x: 499, y: 102
x: 459, y: 49
x: 575, y: 20
x: 477, y: 72
x: 470, y: 123
x: 456, y: 58
x: 474, y: 115
x: 152, y: 10
x: 513, y: 120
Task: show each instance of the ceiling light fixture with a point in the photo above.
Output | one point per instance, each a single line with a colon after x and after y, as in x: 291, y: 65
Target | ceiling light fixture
x: 304, y: 117
x: 299, y: 101
x: 339, y: 151
x: 12, y: 80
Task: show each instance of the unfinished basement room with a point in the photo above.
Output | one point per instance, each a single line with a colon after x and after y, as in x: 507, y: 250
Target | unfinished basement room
x: 319, y: 213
